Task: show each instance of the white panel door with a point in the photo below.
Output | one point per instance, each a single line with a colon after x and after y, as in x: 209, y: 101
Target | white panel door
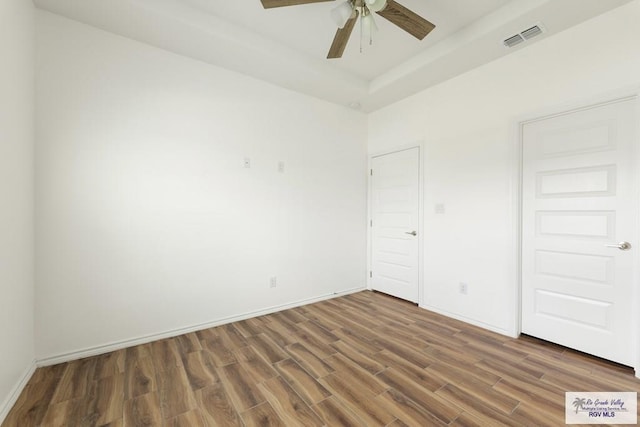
x: 395, y: 210
x: 579, y: 202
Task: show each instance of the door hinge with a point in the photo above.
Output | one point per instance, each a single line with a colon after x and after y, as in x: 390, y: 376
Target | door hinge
x: 370, y: 223
x: 371, y: 172
x: 371, y: 274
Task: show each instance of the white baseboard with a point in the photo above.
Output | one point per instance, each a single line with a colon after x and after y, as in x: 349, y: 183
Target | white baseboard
x: 15, y: 392
x: 94, y: 351
x: 474, y: 322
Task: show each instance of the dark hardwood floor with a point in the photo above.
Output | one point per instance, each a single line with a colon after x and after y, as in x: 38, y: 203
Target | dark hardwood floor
x: 365, y: 360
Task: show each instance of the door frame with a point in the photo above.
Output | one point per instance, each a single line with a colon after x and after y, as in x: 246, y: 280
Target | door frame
x: 420, y: 146
x: 516, y: 182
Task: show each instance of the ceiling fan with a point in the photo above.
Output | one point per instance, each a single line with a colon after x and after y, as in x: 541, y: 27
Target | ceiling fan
x: 347, y: 13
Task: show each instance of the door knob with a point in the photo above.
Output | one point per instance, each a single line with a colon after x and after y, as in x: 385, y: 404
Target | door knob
x: 623, y: 246
x: 413, y: 233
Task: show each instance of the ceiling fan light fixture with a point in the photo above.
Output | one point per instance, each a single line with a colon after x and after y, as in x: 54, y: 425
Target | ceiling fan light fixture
x: 341, y: 13
x: 376, y: 5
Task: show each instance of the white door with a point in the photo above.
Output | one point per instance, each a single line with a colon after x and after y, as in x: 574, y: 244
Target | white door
x: 395, y: 212
x: 579, y: 204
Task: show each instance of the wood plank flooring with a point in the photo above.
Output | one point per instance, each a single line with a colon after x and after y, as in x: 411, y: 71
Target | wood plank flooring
x: 361, y: 360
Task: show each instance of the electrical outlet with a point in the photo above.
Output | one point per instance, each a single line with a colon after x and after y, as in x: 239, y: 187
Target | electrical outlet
x: 463, y: 288
x: 247, y: 162
x: 281, y: 167
x: 273, y: 281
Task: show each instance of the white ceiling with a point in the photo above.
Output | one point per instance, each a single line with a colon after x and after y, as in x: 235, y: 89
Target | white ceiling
x: 288, y: 46
x: 309, y: 29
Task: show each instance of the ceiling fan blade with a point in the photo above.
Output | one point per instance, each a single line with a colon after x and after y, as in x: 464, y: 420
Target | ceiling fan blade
x: 404, y: 18
x: 268, y: 4
x: 342, y: 37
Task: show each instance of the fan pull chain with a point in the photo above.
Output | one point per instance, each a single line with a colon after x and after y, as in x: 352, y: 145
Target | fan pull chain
x: 371, y: 37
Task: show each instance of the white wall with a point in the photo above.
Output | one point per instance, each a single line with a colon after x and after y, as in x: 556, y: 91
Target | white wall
x: 147, y: 221
x: 465, y: 124
x: 16, y: 197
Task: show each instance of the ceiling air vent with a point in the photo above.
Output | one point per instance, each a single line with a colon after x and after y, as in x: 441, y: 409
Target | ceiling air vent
x: 513, y: 40
x: 523, y: 36
x: 531, y: 32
